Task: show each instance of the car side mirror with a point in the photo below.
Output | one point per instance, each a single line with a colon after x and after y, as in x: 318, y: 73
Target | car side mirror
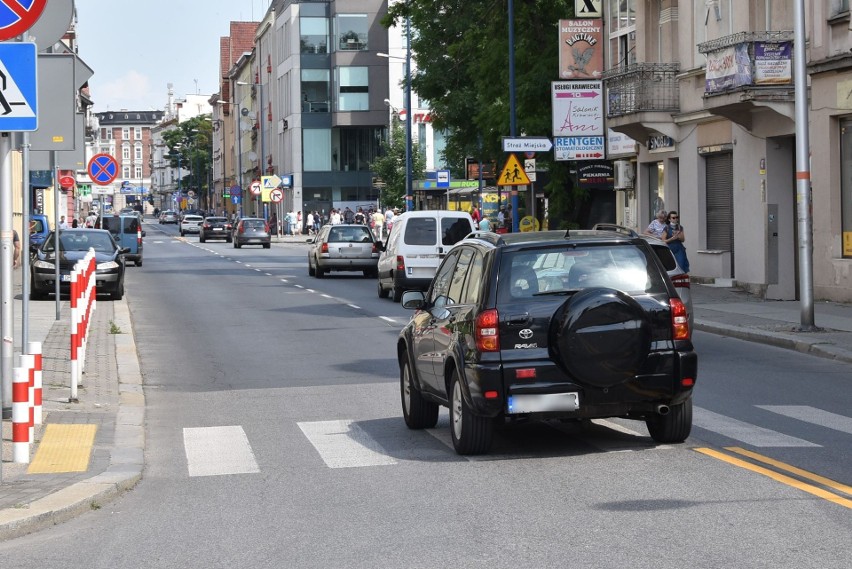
x: 143, y: 234
x: 124, y: 250
x: 413, y: 299
x: 311, y: 240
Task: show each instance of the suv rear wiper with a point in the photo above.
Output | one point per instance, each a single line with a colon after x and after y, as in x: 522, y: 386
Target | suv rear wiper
x: 564, y: 291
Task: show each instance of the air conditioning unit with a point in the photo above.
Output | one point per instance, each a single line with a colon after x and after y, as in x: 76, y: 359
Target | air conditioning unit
x: 624, y: 175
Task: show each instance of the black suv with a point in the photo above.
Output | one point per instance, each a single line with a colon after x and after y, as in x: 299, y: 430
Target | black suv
x: 570, y: 325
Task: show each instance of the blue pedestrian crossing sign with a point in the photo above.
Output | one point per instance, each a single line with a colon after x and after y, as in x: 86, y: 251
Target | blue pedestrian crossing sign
x: 18, y: 87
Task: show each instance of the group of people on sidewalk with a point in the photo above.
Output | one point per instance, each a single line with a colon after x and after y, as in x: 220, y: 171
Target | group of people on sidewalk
x: 294, y: 224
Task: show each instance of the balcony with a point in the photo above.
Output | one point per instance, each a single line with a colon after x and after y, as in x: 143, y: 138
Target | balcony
x: 749, y: 73
x: 641, y: 98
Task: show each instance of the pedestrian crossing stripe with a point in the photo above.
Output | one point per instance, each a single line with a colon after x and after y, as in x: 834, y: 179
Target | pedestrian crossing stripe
x: 18, y: 92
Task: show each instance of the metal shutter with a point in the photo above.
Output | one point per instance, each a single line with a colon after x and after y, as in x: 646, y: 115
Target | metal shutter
x: 720, y: 202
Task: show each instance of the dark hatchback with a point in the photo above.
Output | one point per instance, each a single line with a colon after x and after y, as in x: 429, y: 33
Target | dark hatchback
x: 548, y: 325
x: 73, y: 246
x: 215, y: 228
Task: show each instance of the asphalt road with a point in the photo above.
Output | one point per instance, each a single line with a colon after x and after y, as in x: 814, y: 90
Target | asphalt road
x: 275, y: 439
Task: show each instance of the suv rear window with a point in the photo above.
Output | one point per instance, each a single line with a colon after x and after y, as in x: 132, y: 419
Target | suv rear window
x: 113, y: 224
x: 558, y: 269
x: 454, y: 229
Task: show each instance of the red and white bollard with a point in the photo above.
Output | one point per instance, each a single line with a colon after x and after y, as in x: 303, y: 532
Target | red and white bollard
x: 34, y: 349
x: 20, y: 416
x: 27, y: 362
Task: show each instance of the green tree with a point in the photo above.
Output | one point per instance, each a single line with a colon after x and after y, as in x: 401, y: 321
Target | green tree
x: 390, y: 165
x: 461, y: 48
x: 189, y: 145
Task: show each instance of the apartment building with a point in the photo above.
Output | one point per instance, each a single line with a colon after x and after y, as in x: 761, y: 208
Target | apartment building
x: 706, y: 88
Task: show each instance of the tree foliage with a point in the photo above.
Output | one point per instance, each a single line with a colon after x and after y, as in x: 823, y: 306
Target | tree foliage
x: 461, y: 49
x: 189, y: 146
x: 389, y: 167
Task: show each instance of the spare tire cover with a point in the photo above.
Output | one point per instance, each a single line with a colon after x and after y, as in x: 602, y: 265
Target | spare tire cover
x: 601, y: 337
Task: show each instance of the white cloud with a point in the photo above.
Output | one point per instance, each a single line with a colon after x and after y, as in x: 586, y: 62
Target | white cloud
x: 132, y: 91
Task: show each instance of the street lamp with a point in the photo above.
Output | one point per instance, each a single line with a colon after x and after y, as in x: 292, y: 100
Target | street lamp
x: 409, y: 193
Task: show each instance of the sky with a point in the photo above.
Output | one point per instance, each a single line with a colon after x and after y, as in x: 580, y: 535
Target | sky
x: 137, y: 48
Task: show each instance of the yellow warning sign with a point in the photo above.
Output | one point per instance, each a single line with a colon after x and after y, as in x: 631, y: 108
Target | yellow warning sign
x: 513, y: 174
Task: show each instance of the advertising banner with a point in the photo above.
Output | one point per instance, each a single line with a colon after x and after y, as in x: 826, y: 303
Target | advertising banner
x: 577, y: 108
x: 581, y: 49
x: 773, y: 63
x: 728, y: 68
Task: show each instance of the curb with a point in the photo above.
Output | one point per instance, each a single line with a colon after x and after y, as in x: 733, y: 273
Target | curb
x: 812, y: 346
x: 126, y: 457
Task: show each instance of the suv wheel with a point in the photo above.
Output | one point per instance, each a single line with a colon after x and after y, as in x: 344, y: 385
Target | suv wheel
x: 383, y: 293
x: 311, y: 270
x: 396, y: 293
x: 673, y: 427
x: 471, y: 434
x: 418, y: 413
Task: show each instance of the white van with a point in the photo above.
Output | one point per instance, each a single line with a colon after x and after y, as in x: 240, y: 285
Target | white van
x: 415, y: 247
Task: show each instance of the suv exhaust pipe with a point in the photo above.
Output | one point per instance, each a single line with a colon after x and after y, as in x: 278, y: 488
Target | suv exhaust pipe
x: 662, y: 409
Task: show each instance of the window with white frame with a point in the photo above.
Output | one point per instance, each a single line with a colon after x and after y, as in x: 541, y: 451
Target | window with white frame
x: 137, y: 172
x: 137, y: 133
x: 125, y: 172
x: 125, y: 133
x: 353, y: 89
x: 351, y: 32
x: 125, y: 152
x: 137, y: 151
x: 622, y: 32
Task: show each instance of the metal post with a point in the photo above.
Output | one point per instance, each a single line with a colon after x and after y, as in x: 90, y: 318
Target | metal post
x: 240, y: 153
x: 261, y: 158
x: 7, y: 312
x: 409, y: 193
x: 803, y: 174
x: 512, y: 120
x: 25, y: 241
x: 57, y: 244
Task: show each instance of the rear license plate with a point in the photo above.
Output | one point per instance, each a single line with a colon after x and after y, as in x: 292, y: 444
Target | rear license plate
x: 214, y: 229
x: 65, y: 278
x: 542, y: 403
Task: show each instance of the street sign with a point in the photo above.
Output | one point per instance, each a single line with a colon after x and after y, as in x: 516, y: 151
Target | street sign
x: 513, y: 174
x: 287, y: 180
x: 529, y: 168
x: 17, y: 16
x: 103, y: 169
x: 527, y: 144
x: 236, y: 191
x: 191, y: 193
x: 18, y: 86
x: 276, y: 195
x: 66, y: 181
x: 270, y: 182
x: 256, y: 188
x: 443, y: 178
x: 579, y: 147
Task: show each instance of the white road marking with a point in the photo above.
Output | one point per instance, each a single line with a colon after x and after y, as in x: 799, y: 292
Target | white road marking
x: 307, y: 289
x: 322, y: 295
x: 745, y: 432
x: 298, y: 286
x: 283, y: 280
x: 267, y: 274
x: 354, y: 306
x: 617, y: 427
x: 386, y: 319
x: 344, y: 444
x: 258, y: 270
x: 217, y: 451
x: 813, y: 415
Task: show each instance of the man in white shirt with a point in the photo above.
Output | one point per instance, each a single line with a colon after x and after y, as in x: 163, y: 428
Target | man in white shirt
x: 62, y: 223
x: 335, y: 217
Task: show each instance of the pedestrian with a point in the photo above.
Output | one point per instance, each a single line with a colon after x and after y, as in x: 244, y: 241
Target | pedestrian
x: 348, y: 216
x: 16, y: 253
x: 657, y: 227
x: 310, y: 223
x: 62, y: 223
x: 507, y: 219
x: 501, y: 216
x: 475, y: 215
x: 288, y: 223
x: 335, y: 218
x: 484, y: 223
x: 378, y: 222
x: 298, y: 222
x: 674, y: 238
x: 359, y: 217
x: 273, y: 224
x: 74, y: 223
x: 91, y: 219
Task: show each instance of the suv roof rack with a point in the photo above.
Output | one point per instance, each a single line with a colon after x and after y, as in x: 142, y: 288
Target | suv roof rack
x: 614, y: 227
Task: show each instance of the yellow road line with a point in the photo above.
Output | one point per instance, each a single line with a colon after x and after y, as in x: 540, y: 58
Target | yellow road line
x: 790, y: 468
x: 778, y: 477
x: 64, y: 448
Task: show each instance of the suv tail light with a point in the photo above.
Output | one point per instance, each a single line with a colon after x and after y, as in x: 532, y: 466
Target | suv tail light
x: 400, y: 263
x: 242, y: 228
x: 375, y: 249
x: 681, y: 281
x: 324, y: 248
x: 680, y: 322
x: 138, y: 237
x: 487, y: 331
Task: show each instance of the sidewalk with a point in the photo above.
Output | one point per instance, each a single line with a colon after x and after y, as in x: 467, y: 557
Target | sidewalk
x: 112, y: 398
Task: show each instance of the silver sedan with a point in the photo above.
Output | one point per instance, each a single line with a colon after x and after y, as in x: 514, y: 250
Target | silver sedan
x: 343, y: 248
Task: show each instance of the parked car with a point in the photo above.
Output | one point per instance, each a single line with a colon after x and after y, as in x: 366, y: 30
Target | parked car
x: 343, y: 248
x: 416, y: 244
x: 127, y: 232
x: 215, y: 228
x: 191, y: 224
x: 679, y: 277
x: 252, y: 231
x: 39, y: 230
x: 74, y: 244
x: 168, y: 216
x: 570, y: 325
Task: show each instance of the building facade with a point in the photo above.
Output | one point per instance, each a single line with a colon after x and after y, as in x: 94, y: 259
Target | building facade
x: 706, y: 89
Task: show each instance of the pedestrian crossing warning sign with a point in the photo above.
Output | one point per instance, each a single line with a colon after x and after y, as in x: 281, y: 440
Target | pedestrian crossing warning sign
x: 18, y: 91
x: 513, y: 174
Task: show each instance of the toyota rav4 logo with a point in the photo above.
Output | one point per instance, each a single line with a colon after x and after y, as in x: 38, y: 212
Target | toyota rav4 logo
x: 526, y: 334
